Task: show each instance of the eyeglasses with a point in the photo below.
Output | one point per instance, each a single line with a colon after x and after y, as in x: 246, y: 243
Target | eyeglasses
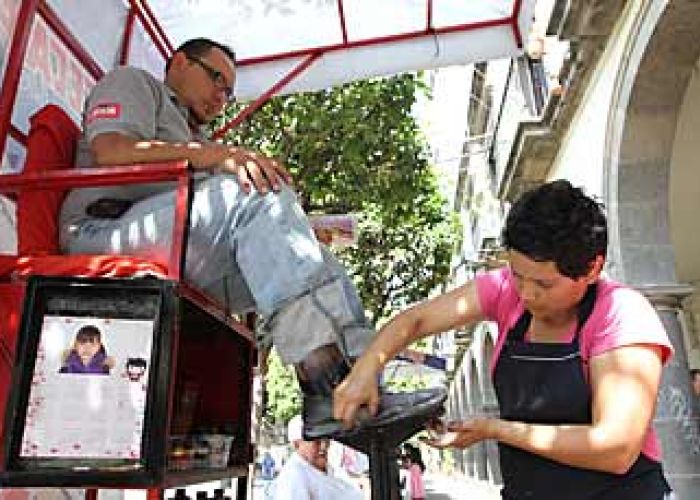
x: 216, y: 76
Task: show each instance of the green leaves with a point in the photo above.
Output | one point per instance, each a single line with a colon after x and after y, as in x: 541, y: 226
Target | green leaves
x: 283, y: 396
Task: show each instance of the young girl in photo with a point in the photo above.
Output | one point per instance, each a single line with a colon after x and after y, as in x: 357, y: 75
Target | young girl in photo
x: 88, y: 354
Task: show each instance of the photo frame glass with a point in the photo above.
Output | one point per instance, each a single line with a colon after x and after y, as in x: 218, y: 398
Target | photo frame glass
x: 87, y: 380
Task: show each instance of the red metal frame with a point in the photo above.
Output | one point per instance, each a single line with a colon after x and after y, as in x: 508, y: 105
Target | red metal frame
x: 70, y: 41
x: 140, y: 9
x: 511, y: 21
x: 74, y: 178
x: 429, y: 15
x: 13, y: 71
x: 183, y: 199
x: 517, y: 6
x: 152, y: 27
x: 18, y: 48
x: 126, y: 37
x: 18, y: 135
x: 53, y: 180
x: 313, y: 54
x: 159, y: 29
x: 341, y: 16
x: 178, y: 171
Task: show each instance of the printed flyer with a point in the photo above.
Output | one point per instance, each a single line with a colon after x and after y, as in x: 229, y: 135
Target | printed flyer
x: 88, y: 392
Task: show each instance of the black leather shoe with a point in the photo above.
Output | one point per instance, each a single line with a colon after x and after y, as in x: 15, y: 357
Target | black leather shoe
x: 401, y: 412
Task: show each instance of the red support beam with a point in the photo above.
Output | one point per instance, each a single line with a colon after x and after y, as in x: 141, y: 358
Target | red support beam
x: 514, y: 23
x: 150, y: 29
x: 52, y: 180
x: 157, y: 26
x: 13, y: 71
x: 18, y: 135
x: 343, y: 26
x: 126, y: 37
x: 64, y: 34
x: 183, y: 202
x: 490, y: 23
x: 251, y: 108
x: 429, y: 16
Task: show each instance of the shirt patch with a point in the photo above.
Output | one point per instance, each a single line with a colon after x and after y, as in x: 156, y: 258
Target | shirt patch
x: 108, y: 110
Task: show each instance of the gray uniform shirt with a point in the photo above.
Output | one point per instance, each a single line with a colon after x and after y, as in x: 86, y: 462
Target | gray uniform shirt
x: 132, y: 102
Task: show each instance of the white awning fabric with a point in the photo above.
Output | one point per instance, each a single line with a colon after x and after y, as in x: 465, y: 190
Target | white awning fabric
x: 329, y: 42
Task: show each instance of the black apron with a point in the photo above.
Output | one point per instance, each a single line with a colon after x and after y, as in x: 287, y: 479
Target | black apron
x: 545, y: 383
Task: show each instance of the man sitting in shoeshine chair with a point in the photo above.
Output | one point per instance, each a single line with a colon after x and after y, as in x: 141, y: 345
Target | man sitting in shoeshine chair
x: 250, y: 245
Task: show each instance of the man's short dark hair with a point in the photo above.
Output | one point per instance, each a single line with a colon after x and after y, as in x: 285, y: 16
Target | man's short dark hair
x: 557, y: 222
x: 200, y: 47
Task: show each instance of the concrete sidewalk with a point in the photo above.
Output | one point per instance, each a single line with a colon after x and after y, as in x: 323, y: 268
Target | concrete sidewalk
x: 443, y: 487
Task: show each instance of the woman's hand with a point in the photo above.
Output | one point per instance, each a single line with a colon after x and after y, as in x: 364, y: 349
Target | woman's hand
x: 357, y: 390
x: 460, y: 434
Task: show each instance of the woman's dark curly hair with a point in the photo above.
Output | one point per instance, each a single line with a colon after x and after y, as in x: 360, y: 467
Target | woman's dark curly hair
x: 557, y: 222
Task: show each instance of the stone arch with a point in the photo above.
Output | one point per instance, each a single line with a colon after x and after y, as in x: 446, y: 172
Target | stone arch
x: 653, y: 195
x: 658, y: 64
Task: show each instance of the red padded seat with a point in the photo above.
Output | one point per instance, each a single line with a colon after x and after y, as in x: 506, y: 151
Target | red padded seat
x: 51, y: 145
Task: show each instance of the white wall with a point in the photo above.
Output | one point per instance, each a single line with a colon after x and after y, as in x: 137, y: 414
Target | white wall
x: 684, y: 188
x: 581, y: 155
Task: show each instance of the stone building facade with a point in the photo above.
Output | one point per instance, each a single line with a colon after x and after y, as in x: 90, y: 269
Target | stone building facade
x: 623, y: 121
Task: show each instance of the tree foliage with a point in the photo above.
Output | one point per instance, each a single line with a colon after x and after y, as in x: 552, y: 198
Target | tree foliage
x: 358, y: 149
x: 283, y: 399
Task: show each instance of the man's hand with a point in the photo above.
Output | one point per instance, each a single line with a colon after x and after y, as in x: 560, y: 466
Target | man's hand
x: 357, y: 390
x: 113, y: 148
x: 252, y: 169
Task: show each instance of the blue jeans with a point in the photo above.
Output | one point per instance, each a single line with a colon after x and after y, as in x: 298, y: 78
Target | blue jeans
x: 250, y: 251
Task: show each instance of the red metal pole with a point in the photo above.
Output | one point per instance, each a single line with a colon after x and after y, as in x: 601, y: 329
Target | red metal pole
x: 429, y: 17
x: 13, y: 71
x: 341, y: 15
x: 269, y: 93
x: 514, y: 22
x: 157, y: 26
x: 18, y: 135
x: 126, y: 37
x: 181, y: 223
x: 150, y: 29
x: 70, y: 41
x: 490, y: 23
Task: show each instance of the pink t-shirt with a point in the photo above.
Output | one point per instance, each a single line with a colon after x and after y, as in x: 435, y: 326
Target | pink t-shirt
x: 621, y: 316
